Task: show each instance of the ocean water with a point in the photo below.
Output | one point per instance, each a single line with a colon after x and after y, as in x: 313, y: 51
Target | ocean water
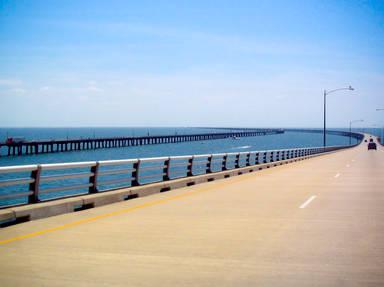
x: 280, y: 141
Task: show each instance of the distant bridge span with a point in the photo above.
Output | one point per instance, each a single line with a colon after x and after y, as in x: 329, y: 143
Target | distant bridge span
x: 51, y: 146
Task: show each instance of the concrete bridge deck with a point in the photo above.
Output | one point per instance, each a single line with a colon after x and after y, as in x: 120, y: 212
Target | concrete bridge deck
x: 318, y: 222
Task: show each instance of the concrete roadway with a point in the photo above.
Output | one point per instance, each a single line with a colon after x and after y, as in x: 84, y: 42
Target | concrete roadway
x: 318, y: 222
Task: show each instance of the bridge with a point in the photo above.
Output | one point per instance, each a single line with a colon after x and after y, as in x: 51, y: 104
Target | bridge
x: 50, y: 146
x: 314, y: 218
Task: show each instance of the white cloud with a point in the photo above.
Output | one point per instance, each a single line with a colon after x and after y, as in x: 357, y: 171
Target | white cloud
x: 19, y: 91
x: 45, y: 88
x: 83, y: 98
x: 94, y: 89
x: 10, y: 82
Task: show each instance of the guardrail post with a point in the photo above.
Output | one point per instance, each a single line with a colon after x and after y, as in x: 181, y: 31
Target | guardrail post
x: 166, y: 170
x: 93, y: 178
x: 265, y: 157
x: 35, y: 186
x: 190, y: 166
x: 224, y: 163
x: 247, y: 163
x: 208, y: 168
x: 135, y: 174
x: 257, y: 159
x: 237, y: 161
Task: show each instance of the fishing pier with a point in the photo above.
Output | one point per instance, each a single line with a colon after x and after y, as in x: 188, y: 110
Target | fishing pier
x: 52, y: 146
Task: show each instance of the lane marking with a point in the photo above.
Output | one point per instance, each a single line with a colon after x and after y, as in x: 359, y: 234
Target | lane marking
x: 308, y: 201
x: 106, y: 215
x: 337, y: 175
x: 122, y: 211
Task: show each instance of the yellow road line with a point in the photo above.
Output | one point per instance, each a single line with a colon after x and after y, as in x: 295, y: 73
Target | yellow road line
x: 118, y: 212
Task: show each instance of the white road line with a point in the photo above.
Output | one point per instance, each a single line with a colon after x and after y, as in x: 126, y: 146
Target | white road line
x: 337, y: 175
x: 308, y: 201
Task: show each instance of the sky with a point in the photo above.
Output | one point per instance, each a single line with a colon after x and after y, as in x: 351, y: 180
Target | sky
x: 190, y: 63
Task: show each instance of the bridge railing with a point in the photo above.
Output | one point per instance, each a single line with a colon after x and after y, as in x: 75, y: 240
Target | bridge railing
x: 31, y: 184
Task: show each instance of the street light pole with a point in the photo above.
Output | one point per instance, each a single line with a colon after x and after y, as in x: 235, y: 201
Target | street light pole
x: 325, y: 110
x: 382, y: 129
x: 325, y: 119
x: 350, y: 129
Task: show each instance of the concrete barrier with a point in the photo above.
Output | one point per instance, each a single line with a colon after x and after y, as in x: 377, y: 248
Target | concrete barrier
x: 6, y: 216
x: 46, y: 209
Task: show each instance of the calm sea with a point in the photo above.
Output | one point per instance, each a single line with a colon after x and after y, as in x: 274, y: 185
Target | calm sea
x: 280, y: 141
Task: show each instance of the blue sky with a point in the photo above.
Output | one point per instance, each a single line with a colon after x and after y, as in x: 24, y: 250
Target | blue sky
x: 190, y: 63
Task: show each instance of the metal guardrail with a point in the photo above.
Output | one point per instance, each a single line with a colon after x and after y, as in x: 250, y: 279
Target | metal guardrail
x: 30, y: 184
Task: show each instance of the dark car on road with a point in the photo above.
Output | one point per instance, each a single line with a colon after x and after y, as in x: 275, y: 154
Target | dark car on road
x: 372, y: 145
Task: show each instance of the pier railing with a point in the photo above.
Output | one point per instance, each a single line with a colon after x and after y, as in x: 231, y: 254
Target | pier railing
x: 31, y: 184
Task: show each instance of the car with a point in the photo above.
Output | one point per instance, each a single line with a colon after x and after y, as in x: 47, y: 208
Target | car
x: 372, y: 145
